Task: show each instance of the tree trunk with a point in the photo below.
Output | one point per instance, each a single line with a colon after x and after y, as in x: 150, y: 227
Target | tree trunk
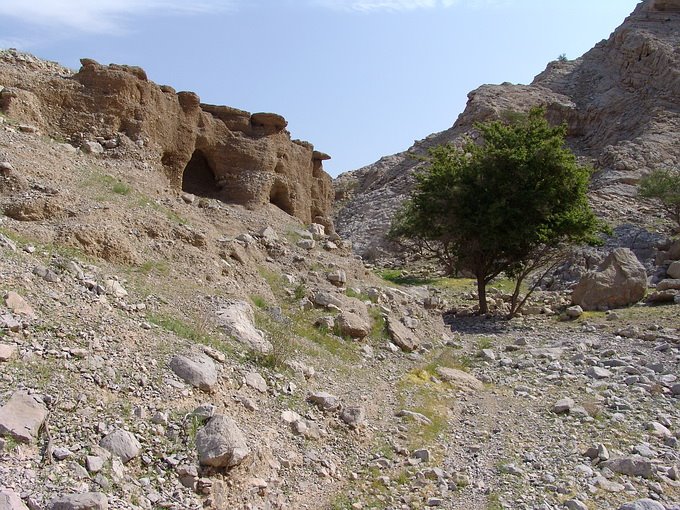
x: 481, y: 292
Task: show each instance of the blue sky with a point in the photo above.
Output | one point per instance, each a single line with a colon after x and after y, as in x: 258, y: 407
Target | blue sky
x: 358, y: 78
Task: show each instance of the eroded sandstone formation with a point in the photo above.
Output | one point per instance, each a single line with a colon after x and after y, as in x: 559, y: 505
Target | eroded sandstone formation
x: 213, y: 151
x: 620, y: 101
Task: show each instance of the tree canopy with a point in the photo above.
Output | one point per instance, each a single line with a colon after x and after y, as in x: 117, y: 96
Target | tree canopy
x: 504, y: 204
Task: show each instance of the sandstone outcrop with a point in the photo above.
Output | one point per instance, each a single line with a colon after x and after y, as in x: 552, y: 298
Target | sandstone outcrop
x: 620, y: 102
x: 207, y: 150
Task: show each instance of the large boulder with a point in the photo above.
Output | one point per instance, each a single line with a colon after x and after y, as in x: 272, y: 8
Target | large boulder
x: 84, y: 501
x: 199, y: 371
x: 10, y: 500
x: 401, y: 335
x: 673, y: 270
x: 237, y: 320
x: 353, y: 325
x: 221, y: 443
x: 22, y: 416
x: 620, y: 281
x: 642, y: 504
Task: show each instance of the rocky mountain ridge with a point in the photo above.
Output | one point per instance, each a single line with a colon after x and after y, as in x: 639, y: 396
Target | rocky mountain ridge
x: 620, y: 102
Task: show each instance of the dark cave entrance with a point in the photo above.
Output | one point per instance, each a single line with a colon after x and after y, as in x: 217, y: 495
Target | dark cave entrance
x: 198, y: 178
x: 280, y: 197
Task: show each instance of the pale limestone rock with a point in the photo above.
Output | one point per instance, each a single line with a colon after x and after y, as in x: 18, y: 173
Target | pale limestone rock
x: 199, y: 371
x: 22, y: 416
x: 401, y: 335
x: 237, y: 320
x: 123, y: 444
x: 221, y: 443
x: 620, y: 281
x: 459, y: 378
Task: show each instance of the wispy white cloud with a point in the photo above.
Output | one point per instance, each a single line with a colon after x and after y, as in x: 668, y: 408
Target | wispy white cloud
x: 401, y: 5
x: 378, y: 5
x: 100, y: 16
x: 14, y: 42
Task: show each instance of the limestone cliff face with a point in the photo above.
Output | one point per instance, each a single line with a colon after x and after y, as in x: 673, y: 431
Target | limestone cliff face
x: 621, y: 102
x: 208, y: 150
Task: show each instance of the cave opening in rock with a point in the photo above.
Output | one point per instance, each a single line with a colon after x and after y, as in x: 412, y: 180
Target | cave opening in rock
x: 198, y: 177
x: 280, y: 197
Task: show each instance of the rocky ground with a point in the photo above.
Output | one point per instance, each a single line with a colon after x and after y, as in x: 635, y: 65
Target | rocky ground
x: 161, y: 350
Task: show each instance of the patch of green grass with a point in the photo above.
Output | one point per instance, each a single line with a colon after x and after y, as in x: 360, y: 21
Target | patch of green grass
x: 159, y: 267
x: 448, y: 358
x: 260, y: 302
x: 484, y: 343
x: 179, y: 327
x: 428, y: 399
x: 493, y: 502
x: 398, y: 277
x: 378, y: 326
x: 300, y: 291
x: 341, y: 502
x: 108, y: 184
x: 11, y: 444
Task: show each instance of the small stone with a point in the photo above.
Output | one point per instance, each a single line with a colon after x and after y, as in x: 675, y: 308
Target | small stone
x: 423, y: 455
x: 574, y: 312
x: 642, y: 504
x: 203, y: 413
x: 658, y: 430
x: 459, y: 378
x: 7, y: 352
x: 256, y: 381
x: 94, y: 463
x: 575, y: 504
x: 123, y: 444
x: 92, y: 148
x: 18, y: 305
x: 61, y: 453
x: 324, y: 401
x: 306, y: 244
x: 85, y: 501
x: 631, y: 466
x: 488, y: 354
x: 160, y: 418
x: 115, y: 289
x: 353, y: 416
x: 353, y: 325
x: 563, y: 405
x: 337, y: 278
x: 598, y: 373
x: 188, y: 198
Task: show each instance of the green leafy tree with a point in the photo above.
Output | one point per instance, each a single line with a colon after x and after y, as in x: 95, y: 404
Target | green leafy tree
x: 509, y: 204
x: 664, y: 185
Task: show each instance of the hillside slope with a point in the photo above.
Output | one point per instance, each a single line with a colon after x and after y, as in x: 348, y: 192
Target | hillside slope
x: 620, y: 101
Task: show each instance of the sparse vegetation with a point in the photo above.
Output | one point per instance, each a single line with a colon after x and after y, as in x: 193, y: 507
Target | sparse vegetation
x: 664, y: 186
